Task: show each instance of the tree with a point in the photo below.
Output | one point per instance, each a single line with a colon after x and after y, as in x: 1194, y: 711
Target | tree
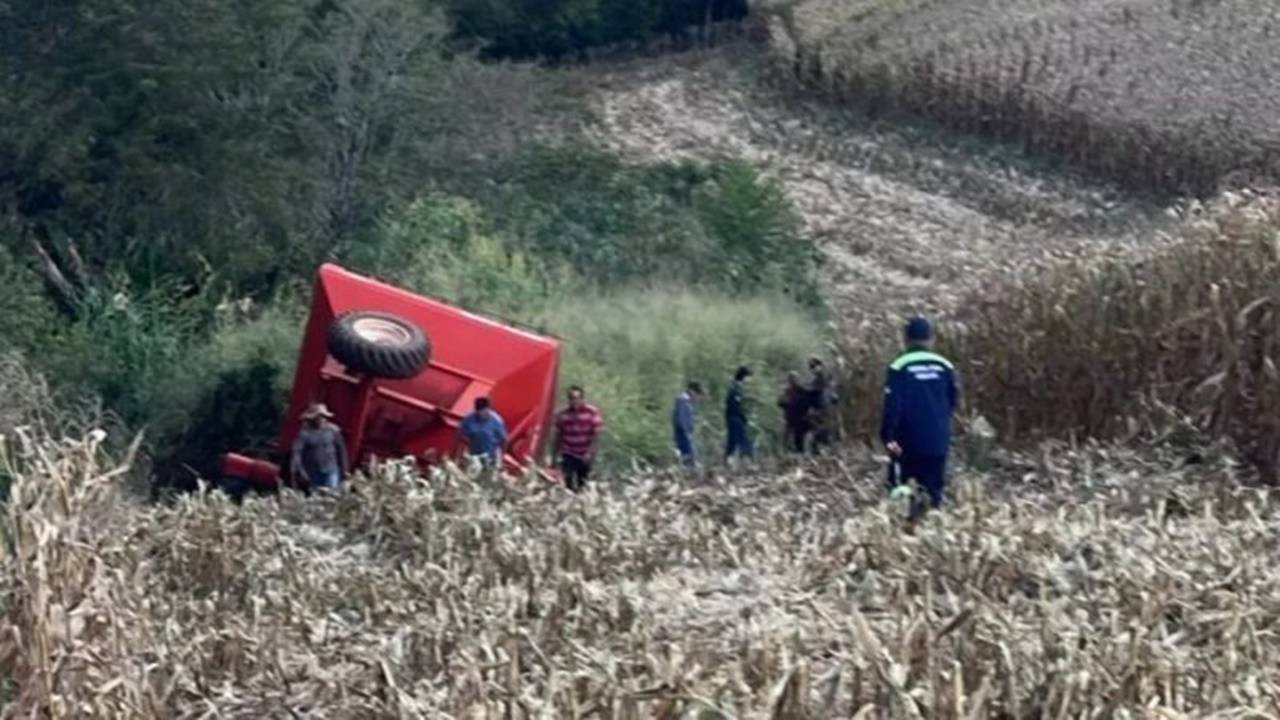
x: 372, y: 71
x: 144, y: 133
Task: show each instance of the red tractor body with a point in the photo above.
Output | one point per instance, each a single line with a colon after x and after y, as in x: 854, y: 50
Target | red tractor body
x: 416, y: 413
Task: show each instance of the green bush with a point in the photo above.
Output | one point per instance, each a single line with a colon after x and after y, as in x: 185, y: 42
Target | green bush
x: 25, y: 311
x: 121, y: 344
x: 634, y: 351
x: 719, y: 226
x: 182, y: 395
x: 241, y: 412
x: 757, y: 233
x: 444, y: 247
x: 174, y: 368
x: 227, y: 394
x: 612, y: 222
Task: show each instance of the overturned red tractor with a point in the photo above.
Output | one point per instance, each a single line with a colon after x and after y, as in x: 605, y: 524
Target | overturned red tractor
x: 400, y: 371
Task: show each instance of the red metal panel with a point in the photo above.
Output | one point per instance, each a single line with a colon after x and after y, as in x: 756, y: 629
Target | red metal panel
x: 471, y: 356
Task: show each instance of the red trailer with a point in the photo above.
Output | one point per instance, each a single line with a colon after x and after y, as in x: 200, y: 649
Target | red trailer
x: 400, y: 371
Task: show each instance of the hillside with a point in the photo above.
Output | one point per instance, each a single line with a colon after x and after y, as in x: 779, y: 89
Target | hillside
x: 909, y: 219
x: 1166, y: 96
x: 1109, y: 548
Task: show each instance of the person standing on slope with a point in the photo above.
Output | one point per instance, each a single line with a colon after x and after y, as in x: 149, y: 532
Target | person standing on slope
x: 484, y: 433
x: 577, y: 436
x: 319, y: 454
x: 683, y: 420
x: 736, y: 419
x: 794, y: 402
x: 920, y: 396
x: 821, y: 405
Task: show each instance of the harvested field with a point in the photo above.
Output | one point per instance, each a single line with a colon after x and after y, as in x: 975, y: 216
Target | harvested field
x: 907, y: 222
x: 1086, y: 584
x: 1163, y: 95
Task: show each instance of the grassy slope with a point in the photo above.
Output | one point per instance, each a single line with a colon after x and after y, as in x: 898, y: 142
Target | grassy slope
x: 908, y: 218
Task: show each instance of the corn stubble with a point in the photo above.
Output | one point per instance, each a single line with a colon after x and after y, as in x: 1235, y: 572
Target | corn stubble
x: 1099, y: 585
x: 1163, y: 95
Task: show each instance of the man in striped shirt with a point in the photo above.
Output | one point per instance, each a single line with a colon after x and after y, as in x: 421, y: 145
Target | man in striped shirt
x: 577, y: 438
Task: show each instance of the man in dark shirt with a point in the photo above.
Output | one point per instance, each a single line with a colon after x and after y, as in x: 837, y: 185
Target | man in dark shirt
x: 794, y: 402
x: 736, y: 419
x: 821, y: 404
x: 920, y: 396
x: 319, y: 452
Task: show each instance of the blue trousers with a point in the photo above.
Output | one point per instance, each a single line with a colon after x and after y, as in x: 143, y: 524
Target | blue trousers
x: 739, y: 440
x: 684, y: 443
x: 929, y: 471
x: 327, y: 480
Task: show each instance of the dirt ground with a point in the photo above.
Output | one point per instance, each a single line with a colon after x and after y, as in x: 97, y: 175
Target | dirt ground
x: 908, y: 220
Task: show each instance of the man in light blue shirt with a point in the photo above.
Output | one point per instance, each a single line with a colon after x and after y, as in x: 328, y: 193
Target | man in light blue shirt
x: 484, y: 433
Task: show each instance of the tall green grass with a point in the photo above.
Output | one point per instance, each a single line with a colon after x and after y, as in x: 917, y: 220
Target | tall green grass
x: 634, y: 351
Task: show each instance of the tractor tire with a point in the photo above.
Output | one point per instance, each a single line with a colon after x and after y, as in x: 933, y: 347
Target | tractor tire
x: 380, y: 345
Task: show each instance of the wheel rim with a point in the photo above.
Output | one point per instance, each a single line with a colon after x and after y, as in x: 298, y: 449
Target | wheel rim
x: 382, y: 332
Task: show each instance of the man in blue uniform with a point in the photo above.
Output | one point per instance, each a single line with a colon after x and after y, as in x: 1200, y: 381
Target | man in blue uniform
x: 919, y: 398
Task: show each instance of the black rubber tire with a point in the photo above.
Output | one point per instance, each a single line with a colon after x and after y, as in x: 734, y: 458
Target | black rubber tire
x: 378, y: 344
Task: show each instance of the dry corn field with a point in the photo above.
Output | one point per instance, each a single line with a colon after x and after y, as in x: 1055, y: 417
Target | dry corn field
x: 1183, y: 339
x: 1164, y: 95
x: 1087, y: 583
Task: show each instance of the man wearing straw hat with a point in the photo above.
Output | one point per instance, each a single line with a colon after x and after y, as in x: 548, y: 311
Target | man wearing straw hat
x: 319, y: 453
x: 919, y: 397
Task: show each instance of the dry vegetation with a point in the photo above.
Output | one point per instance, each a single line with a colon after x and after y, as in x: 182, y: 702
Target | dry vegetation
x: 908, y: 221
x: 1163, y: 95
x: 1183, y: 339
x: 1095, y: 586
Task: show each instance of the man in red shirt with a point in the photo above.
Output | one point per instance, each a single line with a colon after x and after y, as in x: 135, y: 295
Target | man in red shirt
x: 577, y: 437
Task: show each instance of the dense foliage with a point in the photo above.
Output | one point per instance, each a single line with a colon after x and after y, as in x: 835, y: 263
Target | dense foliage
x: 554, y: 29
x: 172, y: 137
x: 174, y: 172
